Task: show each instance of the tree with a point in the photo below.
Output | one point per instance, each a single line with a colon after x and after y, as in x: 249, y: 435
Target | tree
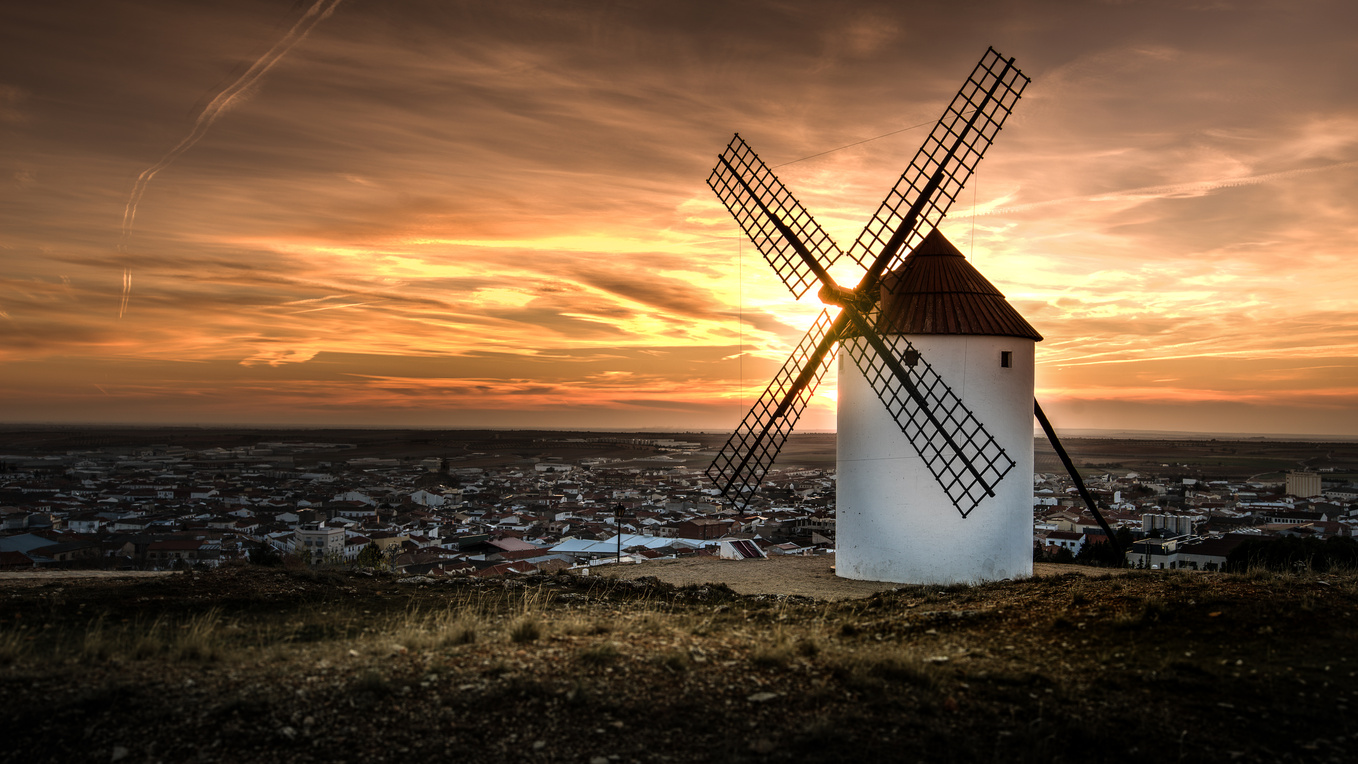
x: 371, y: 557
x: 1104, y: 555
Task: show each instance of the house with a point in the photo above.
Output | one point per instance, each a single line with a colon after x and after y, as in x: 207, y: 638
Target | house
x: 167, y: 553
x: 1211, y: 553
x: 739, y: 549
x: 1068, y: 540
x: 702, y: 528
x: 446, y: 498
x: 1155, y: 553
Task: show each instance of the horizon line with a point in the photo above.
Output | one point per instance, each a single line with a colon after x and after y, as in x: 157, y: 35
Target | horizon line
x: 1078, y: 432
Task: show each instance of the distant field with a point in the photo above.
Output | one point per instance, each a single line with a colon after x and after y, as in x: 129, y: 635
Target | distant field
x: 1204, y: 459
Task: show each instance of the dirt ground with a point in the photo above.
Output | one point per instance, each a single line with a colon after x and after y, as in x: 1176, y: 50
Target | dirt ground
x: 266, y: 665
x: 809, y: 576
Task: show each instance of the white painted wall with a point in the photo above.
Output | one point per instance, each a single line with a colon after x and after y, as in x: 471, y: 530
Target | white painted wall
x: 894, y: 521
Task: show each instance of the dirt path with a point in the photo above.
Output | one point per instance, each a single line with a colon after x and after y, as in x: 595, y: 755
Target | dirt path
x: 60, y: 574
x: 807, y: 576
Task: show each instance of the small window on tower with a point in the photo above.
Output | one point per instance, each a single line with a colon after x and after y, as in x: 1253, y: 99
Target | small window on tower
x: 1006, y: 359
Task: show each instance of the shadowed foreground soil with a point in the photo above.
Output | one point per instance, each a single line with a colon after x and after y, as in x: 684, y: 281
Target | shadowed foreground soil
x: 253, y: 665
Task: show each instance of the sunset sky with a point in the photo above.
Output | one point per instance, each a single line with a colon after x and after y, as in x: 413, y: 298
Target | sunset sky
x: 495, y: 214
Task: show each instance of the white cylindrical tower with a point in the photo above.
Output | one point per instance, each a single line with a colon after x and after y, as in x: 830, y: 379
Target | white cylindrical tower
x: 894, y: 520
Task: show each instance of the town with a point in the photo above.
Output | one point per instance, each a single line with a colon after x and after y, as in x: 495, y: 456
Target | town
x: 515, y: 503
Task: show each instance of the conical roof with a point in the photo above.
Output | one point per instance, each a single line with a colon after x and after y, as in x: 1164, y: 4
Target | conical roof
x: 936, y: 291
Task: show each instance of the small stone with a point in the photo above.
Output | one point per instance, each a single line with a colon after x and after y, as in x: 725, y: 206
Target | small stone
x: 599, y: 760
x: 538, y: 745
x: 760, y: 697
x: 119, y: 753
x: 288, y: 732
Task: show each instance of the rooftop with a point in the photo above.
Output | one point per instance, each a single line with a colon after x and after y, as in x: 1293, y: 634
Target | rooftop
x: 936, y: 291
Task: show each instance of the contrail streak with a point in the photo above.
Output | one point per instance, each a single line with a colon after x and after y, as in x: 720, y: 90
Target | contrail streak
x: 127, y: 291
x: 224, y: 100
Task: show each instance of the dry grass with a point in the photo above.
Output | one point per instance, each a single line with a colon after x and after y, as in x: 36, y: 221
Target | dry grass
x: 598, y: 656
x: 205, y: 637
x: 525, y: 628
x: 873, y: 667
x: 585, y: 655
x: 13, y: 647
x: 452, y: 626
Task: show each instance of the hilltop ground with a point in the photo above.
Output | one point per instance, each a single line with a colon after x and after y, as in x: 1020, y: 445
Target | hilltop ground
x: 248, y: 664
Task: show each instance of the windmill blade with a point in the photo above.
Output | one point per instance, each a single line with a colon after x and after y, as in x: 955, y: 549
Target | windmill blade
x: 785, y: 233
x: 962, y: 455
x: 942, y: 166
x: 749, y: 452
x: 1074, y: 473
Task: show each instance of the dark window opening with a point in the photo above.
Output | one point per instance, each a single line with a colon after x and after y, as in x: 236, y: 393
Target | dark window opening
x: 1006, y: 359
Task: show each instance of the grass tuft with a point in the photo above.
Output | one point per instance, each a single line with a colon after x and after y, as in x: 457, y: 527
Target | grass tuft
x: 807, y: 646
x: 13, y: 647
x: 872, y: 669
x: 598, y: 656
x: 526, y: 628
x: 675, y: 661
x: 1149, y: 611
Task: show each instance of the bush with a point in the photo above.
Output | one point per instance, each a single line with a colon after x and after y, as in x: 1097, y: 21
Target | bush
x: 264, y: 554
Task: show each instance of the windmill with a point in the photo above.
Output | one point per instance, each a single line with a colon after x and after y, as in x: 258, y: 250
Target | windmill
x: 925, y: 444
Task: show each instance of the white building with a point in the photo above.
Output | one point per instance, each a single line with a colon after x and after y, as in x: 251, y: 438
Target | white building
x: 1303, y: 485
x: 318, y: 542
